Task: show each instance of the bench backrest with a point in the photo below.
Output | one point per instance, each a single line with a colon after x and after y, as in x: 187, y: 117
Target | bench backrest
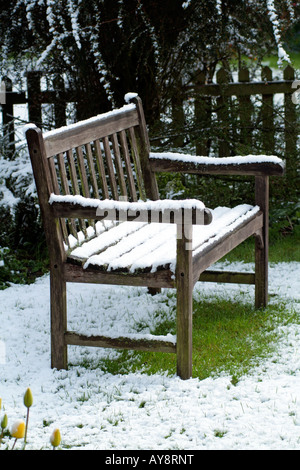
x: 105, y: 157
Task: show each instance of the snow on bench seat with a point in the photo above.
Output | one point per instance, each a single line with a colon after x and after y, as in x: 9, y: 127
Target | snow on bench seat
x: 136, y: 246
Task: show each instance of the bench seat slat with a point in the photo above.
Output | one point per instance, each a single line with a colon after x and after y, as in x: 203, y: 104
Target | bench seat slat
x: 136, y: 246
x: 125, y: 255
x: 105, y: 240
x: 204, y: 237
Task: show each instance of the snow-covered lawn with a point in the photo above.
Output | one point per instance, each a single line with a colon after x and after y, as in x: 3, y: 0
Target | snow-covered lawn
x: 97, y: 410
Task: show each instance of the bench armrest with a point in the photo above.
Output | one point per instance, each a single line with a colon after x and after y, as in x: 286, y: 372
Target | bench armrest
x: 257, y: 165
x: 188, y: 211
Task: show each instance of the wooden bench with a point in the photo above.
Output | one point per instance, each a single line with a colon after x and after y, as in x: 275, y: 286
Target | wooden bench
x: 104, y: 223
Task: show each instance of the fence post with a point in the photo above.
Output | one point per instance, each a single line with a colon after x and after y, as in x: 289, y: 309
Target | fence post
x: 34, y: 97
x: 178, y: 116
x: 245, y: 113
x: 8, y: 118
x: 291, y: 133
x: 223, y: 114
x: 268, y: 137
x: 202, y: 117
x: 60, y: 101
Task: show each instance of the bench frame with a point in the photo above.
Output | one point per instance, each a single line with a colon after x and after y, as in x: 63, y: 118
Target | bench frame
x: 189, y: 269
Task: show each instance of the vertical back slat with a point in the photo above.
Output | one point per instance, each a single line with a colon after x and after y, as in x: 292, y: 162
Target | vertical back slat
x: 56, y: 189
x: 66, y: 189
x: 74, y: 182
x: 101, y: 169
x: 137, y: 163
x: 92, y: 171
x: 119, y: 165
x: 53, y: 176
x: 63, y: 173
x: 82, y: 173
x: 84, y: 181
x: 126, y: 155
x: 73, y: 174
x: 110, y: 168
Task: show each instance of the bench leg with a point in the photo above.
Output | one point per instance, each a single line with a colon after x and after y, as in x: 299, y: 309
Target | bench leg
x: 262, y: 243
x: 184, y: 285
x: 261, y: 273
x: 154, y: 290
x: 58, y: 296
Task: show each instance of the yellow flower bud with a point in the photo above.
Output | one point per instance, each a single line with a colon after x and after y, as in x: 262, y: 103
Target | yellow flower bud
x: 4, y: 422
x: 28, y: 398
x: 0, y: 402
x: 55, y: 438
x: 18, y: 429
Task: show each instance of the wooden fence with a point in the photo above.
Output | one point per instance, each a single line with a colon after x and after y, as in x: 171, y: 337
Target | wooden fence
x: 234, y: 108
x: 225, y: 110
x: 34, y: 98
x: 242, y: 117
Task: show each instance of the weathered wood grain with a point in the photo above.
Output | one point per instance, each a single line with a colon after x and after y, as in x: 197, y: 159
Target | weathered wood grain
x: 253, y: 169
x: 262, y: 243
x: 184, y: 287
x: 122, y: 342
x: 71, y: 137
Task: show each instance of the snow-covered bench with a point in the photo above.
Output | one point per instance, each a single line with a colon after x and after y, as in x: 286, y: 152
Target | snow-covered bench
x: 104, y: 223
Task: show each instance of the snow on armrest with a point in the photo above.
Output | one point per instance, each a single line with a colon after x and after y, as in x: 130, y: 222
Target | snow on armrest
x: 248, y: 164
x: 161, y: 211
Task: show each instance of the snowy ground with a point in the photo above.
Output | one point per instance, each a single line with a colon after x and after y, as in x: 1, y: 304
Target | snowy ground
x: 97, y: 410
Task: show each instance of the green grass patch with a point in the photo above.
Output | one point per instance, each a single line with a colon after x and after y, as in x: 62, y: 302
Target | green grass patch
x: 20, y: 267
x: 228, y: 336
x: 281, y: 248
x: 284, y: 237
x: 272, y: 60
x: 232, y: 337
